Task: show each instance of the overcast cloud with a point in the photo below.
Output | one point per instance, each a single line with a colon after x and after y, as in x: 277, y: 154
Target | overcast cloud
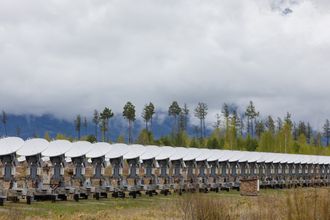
x: 67, y: 57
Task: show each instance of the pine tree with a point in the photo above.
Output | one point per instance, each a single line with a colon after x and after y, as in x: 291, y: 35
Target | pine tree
x: 174, y: 110
x: 260, y: 128
x: 4, y: 121
x: 129, y: 114
x: 145, y: 137
x: 251, y: 144
x: 279, y: 124
x: 309, y: 133
x: 185, y: 113
x: 200, y: 112
x: 295, y: 131
x: 217, y: 123
x: 287, y: 132
x: 103, y: 128
x: 232, y: 134
x: 270, y: 124
x: 96, y: 121
x: 151, y: 109
x: 326, y: 131
x: 251, y: 114
x: 105, y: 118
x: 147, y: 114
x: 302, y: 128
x: 47, y: 136
x: 267, y: 142
x: 77, y: 123
x: 120, y: 139
x: 241, y: 125
x: 225, y: 112
x: 91, y: 138
x: 85, y: 125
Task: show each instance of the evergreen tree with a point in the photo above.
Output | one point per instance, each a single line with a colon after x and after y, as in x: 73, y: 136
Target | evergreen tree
x: 270, y: 124
x: 145, y: 137
x: 105, y: 118
x: 267, y: 142
x: 60, y: 136
x: 231, y: 137
x: 326, y: 131
x: 47, y: 136
x: 279, y: 124
x: 225, y: 112
x: 213, y: 143
x: 217, y: 123
x: 241, y: 125
x: 302, y: 128
x: 182, y: 139
x: 147, y: 114
x: 236, y: 122
x: 4, y: 120
x: 151, y: 113
x: 251, y: 144
x: 103, y: 127
x: 318, y: 140
x: 174, y: 110
x: 85, y: 125
x: 228, y: 126
x: 129, y: 114
x: 96, y: 121
x: 194, y: 143
x: 260, y: 128
x: 77, y: 123
x: 91, y: 138
x: 120, y: 139
x: 287, y: 132
x: 251, y: 115
x: 288, y: 119
x: 165, y: 141
x: 181, y: 122
x: 200, y: 112
x: 185, y: 115
x: 295, y: 131
x: 309, y: 133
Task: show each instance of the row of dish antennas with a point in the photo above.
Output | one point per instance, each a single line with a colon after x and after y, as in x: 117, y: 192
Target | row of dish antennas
x: 36, y: 169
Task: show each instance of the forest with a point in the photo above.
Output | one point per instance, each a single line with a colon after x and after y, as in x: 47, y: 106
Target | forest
x: 233, y: 129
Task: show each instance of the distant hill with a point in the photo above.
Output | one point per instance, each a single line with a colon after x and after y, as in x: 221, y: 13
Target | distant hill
x: 30, y: 125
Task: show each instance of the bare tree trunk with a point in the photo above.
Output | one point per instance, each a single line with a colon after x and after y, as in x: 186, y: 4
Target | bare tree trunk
x: 108, y: 136
x: 96, y: 131
x: 201, y: 123
x: 129, y: 132
x: 203, y: 128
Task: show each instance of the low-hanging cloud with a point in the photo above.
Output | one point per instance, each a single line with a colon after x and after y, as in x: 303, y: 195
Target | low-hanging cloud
x: 69, y: 57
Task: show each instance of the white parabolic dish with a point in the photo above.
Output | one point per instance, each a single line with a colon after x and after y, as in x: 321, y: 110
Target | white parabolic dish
x: 10, y: 145
x: 79, y: 148
x: 33, y: 147
x: 57, y: 148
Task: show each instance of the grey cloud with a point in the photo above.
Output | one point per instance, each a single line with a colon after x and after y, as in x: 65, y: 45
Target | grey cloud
x: 68, y: 57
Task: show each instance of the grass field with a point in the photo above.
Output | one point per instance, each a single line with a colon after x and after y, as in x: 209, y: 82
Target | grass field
x: 312, y: 203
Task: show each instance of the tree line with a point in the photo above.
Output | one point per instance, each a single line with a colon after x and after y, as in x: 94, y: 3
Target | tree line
x: 232, y: 129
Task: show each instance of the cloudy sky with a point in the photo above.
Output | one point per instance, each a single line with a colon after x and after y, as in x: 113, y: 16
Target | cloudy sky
x: 67, y: 57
